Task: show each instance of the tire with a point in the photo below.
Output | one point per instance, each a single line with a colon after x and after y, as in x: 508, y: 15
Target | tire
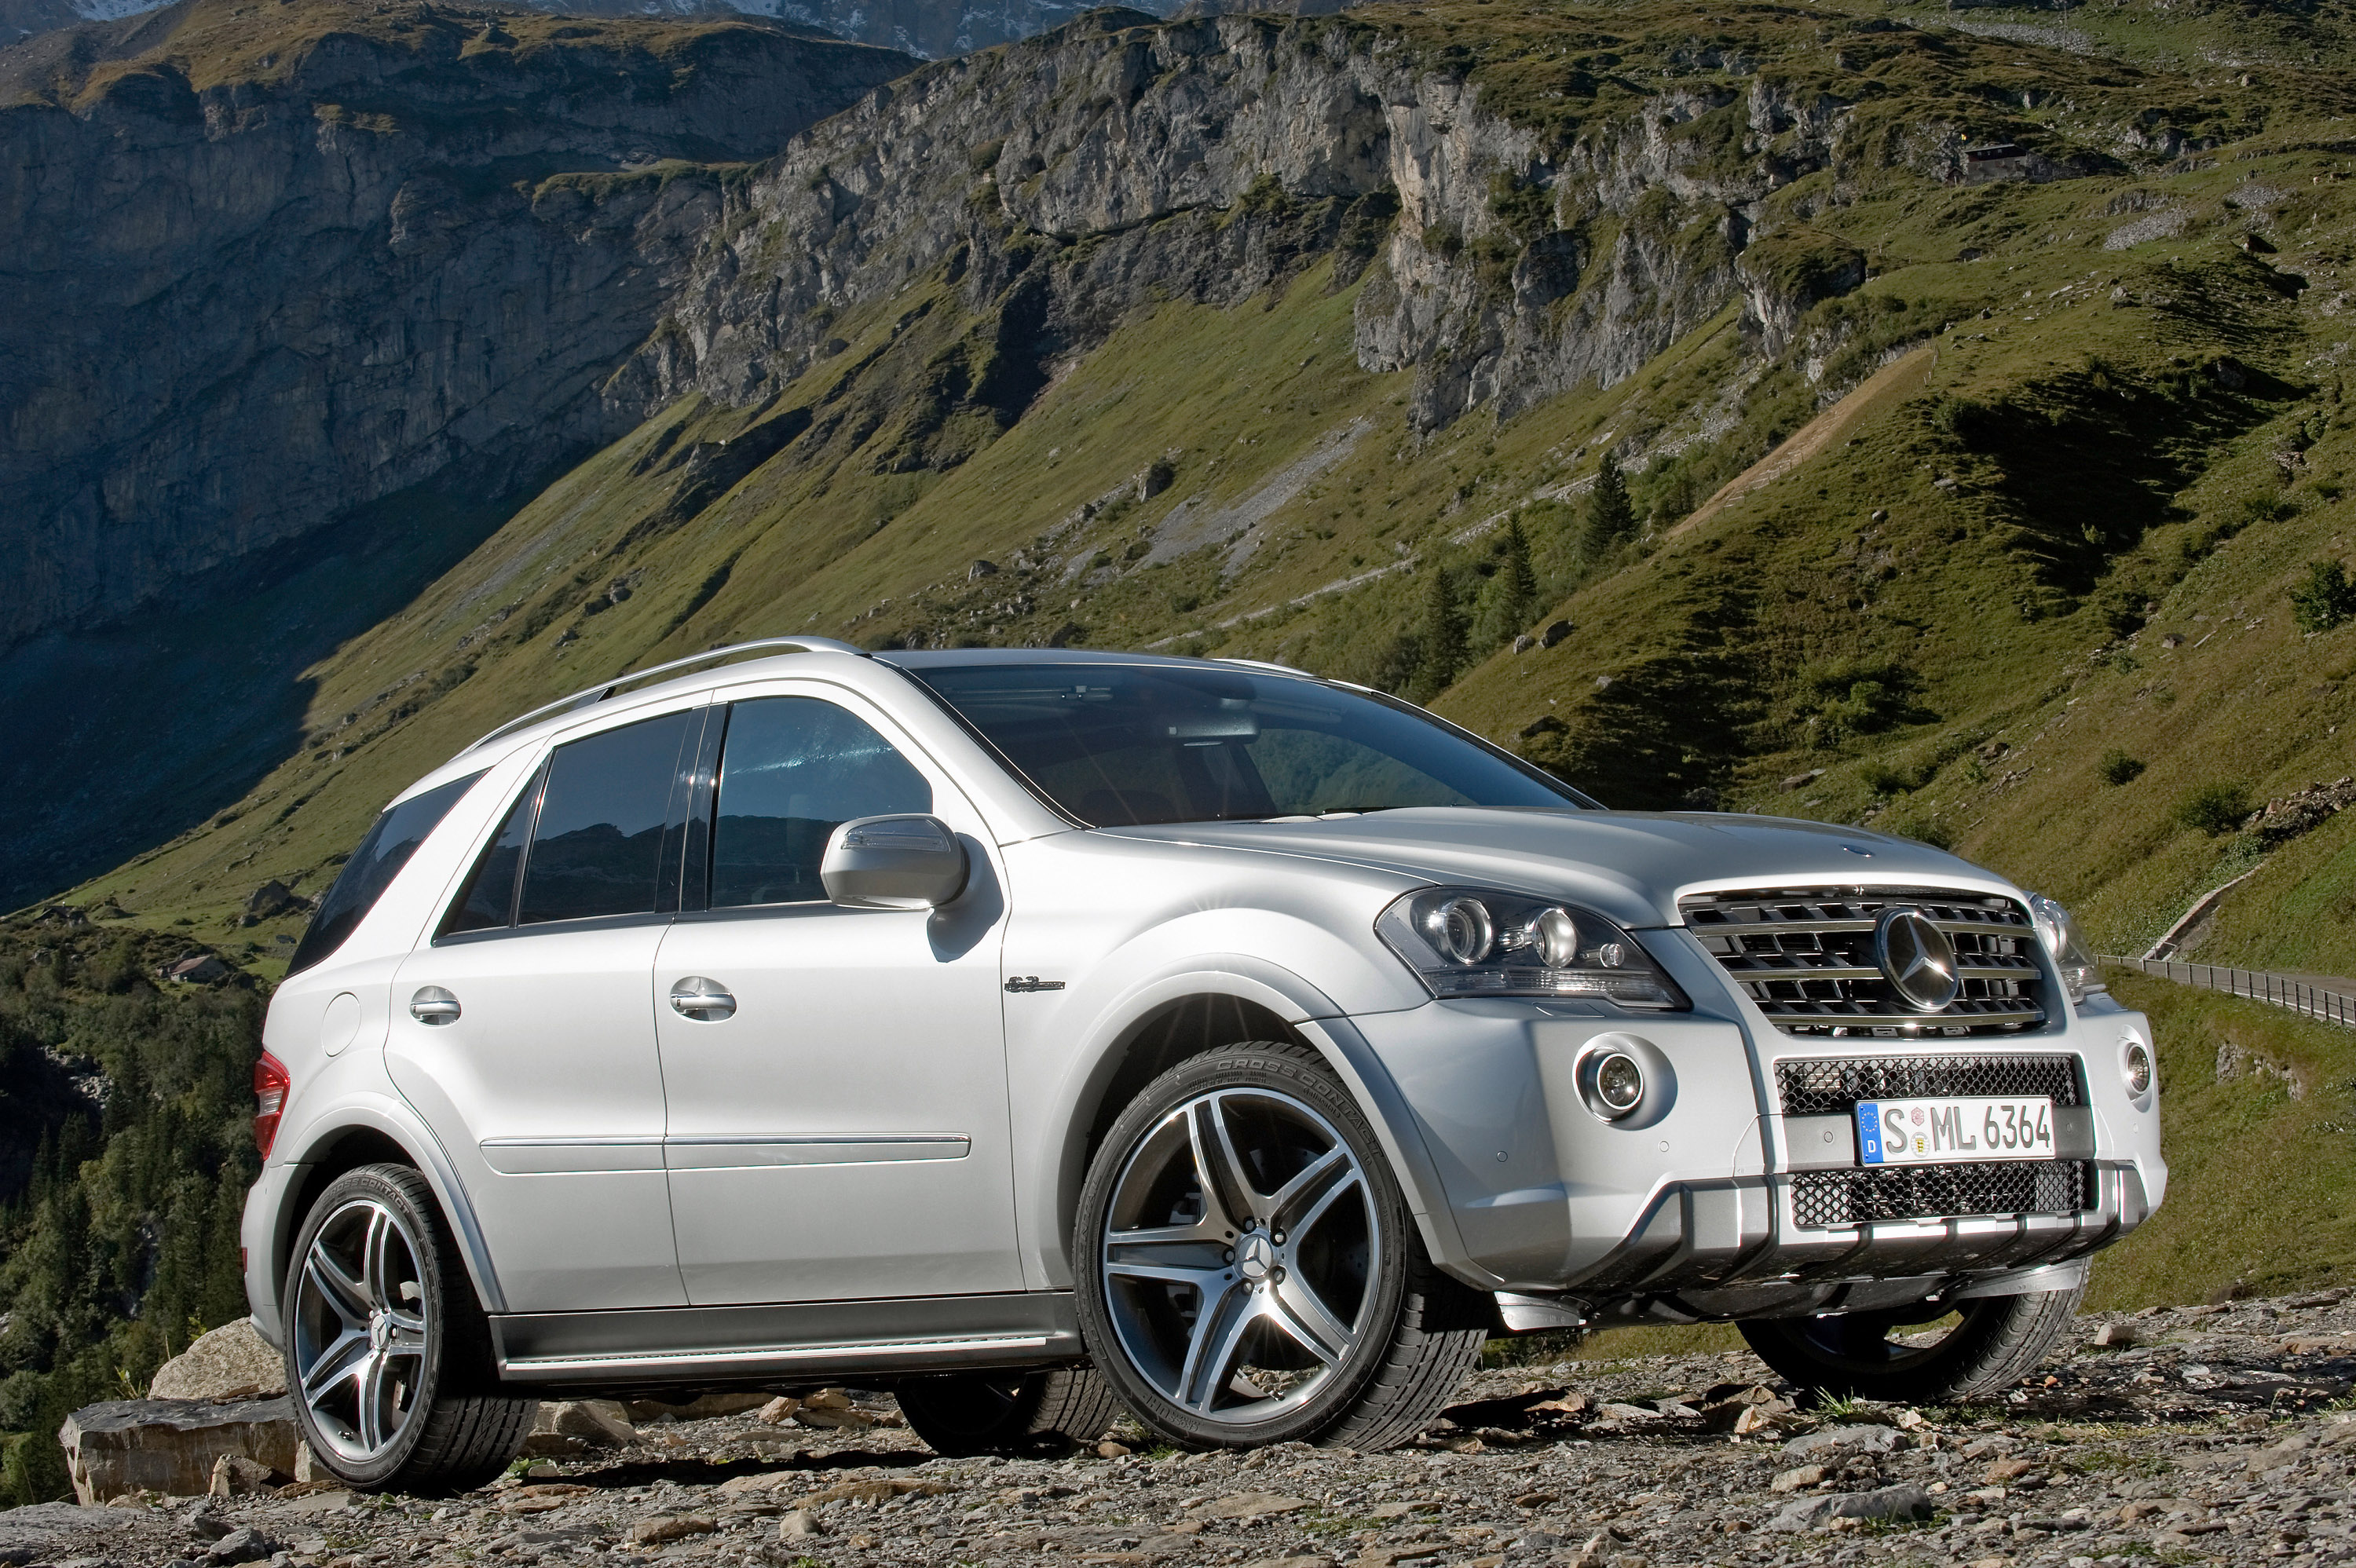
x: 1287, y: 1296
x: 2000, y: 1339
x: 1019, y: 1413
x: 388, y: 1352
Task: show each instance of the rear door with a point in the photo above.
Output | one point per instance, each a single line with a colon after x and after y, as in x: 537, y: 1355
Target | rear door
x: 523, y: 1031
x: 841, y: 1130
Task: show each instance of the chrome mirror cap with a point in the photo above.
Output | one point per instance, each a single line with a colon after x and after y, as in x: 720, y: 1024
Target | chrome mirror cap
x: 894, y: 862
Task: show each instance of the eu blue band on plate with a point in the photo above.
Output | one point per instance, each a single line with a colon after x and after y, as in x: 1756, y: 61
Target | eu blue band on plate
x: 1868, y: 1131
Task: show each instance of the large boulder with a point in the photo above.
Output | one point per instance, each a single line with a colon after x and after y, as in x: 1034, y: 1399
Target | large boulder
x: 171, y: 1446
x: 233, y: 1361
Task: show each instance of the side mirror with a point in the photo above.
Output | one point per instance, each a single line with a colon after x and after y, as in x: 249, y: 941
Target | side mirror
x: 893, y: 862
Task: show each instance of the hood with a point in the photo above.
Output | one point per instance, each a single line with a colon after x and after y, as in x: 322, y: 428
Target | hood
x: 1629, y: 866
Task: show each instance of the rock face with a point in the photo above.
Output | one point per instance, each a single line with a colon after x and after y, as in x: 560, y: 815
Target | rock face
x: 1203, y: 158
x: 232, y: 1362
x: 931, y: 29
x: 171, y: 1446
x: 257, y: 279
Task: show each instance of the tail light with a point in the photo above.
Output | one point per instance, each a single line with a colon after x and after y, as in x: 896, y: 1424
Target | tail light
x: 270, y: 1086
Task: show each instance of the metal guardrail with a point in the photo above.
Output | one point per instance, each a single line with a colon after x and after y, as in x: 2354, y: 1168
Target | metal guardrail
x: 2297, y: 996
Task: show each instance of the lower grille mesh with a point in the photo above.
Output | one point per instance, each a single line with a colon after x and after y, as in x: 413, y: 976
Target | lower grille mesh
x: 1832, y: 1085
x: 1825, y: 1197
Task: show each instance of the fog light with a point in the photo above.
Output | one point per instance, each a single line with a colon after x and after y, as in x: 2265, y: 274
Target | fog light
x: 2135, y: 1067
x: 1618, y: 1084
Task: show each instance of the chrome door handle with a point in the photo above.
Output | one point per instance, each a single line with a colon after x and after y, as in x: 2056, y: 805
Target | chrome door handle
x: 704, y: 1001
x: 432, y: 1006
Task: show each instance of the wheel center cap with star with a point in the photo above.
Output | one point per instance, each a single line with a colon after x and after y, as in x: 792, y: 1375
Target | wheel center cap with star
x: 379, y: 1331
x: 1255, y: 1257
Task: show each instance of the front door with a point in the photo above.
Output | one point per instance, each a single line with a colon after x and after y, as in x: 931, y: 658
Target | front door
x: 837, y: 1125
x: 523, y: 1031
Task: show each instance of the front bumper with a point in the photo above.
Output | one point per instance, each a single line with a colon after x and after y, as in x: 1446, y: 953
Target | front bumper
x: 1708, y: 1202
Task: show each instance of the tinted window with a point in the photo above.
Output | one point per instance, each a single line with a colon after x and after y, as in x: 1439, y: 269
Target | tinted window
x: 392, y: 839
x: 596, y: 849
x: 489, y: 899
x: 1118, y: 744
x: 793, y: 770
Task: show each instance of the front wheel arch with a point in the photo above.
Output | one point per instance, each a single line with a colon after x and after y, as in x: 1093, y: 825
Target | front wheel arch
x: 1231, y: 993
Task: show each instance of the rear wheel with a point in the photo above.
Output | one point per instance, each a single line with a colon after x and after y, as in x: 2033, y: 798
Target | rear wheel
x: 1013, y: 1413
x: 1248, y: 1273
x: 1910, y: 1356
x: 388, y: 1352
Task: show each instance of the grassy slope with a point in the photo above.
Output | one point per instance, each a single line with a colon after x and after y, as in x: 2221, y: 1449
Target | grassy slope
x: 2110, y: 453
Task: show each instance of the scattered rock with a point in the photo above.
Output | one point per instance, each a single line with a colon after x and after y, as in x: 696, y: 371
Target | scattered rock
x: 979, y: 569
x: 798, y: 1524
x: 1246, y: 1505
x: 601, y: 1422
x: 666, y: 1528
x: 196, y: 969
x: 1847, y: 1439
x: 2114, y: 1336
x: 1555, y: 633
x: 235, y: 1476
x: 704, y: 1409
x: 1800, y: 1478
x: 270, y: 899
x: 244, y: 1544
x: 780, y: 1410
x: 171, y: 1446
x: 1524, y: 643
x: 1904, y: 1501
x: 233, y: 1361
x: 1801, y: 781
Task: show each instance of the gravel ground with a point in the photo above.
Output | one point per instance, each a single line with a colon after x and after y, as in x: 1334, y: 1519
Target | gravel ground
x: 2184, y: 1436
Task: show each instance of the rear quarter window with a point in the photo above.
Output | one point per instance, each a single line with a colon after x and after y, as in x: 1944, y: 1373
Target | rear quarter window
x: 392, y: 839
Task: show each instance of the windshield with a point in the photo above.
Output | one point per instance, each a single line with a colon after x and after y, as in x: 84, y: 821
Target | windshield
x: 1122, y: 745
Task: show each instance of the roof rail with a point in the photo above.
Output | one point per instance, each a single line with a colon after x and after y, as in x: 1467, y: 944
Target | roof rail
x: 605, y: 690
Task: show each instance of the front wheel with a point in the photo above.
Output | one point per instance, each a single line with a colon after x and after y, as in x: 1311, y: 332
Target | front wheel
x: 1994, y: 1342
x: 1248, y: 1273
x: 388, y: 1352
x: 1013, y: 1413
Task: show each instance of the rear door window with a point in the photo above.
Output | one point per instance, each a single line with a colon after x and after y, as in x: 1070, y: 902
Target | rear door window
x: 794, y: 769
x: 605, y: 817
x: 392, y: 839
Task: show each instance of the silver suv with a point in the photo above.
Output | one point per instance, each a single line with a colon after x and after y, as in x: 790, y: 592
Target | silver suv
x: 1037, y: 1033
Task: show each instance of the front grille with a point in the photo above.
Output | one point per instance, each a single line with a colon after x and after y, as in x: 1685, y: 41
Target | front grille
x: 1805, y: 957
x: 1821, y: 1198
x: 1832, y: 1086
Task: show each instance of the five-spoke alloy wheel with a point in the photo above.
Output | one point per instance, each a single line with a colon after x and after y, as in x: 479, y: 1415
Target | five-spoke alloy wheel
x: 361, y: 1331
x: 388, y: 1351
x: 1251, y: 1272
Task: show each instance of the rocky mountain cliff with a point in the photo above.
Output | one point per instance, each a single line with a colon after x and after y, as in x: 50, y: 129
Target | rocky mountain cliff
x: 262, y: 275
x: 1302, y: 338
x: 928, y: 28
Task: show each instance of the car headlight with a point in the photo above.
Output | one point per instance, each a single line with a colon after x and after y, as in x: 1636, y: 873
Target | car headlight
x: 2081, y: 977
x: 1471, y: 941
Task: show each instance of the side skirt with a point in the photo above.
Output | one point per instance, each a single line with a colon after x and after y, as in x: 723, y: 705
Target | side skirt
x: 670, y: 1346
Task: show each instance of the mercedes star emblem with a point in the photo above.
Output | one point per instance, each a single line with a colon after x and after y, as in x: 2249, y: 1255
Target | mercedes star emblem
x: 1917, y: 958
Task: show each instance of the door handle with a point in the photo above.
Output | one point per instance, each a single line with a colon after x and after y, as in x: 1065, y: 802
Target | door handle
x: 704, y: 1001
x: 432, y: 1006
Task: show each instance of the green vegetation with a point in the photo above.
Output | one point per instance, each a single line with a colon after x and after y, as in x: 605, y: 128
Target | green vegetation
x: 2327, y: 599
x: 2118, y: 768
x: 2214, y: 808
x: 135, y: 1200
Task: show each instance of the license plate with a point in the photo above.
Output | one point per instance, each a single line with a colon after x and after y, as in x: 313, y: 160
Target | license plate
x: 1968, y: 1126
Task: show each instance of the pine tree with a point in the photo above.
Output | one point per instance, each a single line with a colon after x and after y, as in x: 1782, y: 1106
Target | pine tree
x: 1513, y: 597
x: 1611, y: 515
x: 1443, y: 636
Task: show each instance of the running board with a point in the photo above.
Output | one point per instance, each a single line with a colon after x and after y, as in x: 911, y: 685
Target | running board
x: 722, y: 1345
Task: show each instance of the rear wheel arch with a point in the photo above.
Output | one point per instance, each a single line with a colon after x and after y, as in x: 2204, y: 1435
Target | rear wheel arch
x: 336, y: 1151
